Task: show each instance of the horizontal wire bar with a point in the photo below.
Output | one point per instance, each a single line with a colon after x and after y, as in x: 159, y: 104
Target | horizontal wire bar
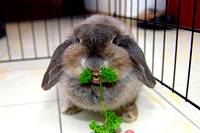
x: 176, y: 108
x: 161, y: 24
x: 24, y: 59
x: 157, y: 23
x: 180, y: 95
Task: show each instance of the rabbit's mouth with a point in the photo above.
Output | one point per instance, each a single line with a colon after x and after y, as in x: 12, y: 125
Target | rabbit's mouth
x: 96, y: 84
x: 95, y: 80
x: 95, y: 77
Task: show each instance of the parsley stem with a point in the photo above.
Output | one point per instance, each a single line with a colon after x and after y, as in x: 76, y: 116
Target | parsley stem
x: 101, y: 95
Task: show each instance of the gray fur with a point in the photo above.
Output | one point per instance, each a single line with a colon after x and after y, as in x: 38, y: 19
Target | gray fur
x: 94, y: 34
x: 142, y: 72
x: 89, y: 99
x: 53, y: 72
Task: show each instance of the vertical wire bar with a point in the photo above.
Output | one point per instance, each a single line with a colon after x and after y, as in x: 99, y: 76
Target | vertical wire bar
x: 120, y: 13
x: 97, y: 6
x: 145, y: 30
x: 8, y: 48
x: 46, y: 35
x: 33, y: 35
x: 71, y: 22
x: 6, y: 37
x: 138, y: 4
x: 115, y: 12
x: 19, y: 30
x: 59, y: 30
x: 191, y: 48
x: 154, y: 36
x: 8, y: 44
x: 34, y: 40
x: 164, y: 41
x: 109, y: 8
x: 176, y: 46
x: 47, y: 38
x: 131, y: 15
x: 58, y: 23
x: 20, y: 39
x: 59, y: 109
x: 125, y: 8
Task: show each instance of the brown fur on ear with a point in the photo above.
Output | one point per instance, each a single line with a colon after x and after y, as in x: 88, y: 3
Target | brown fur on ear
x: 118, y: 58
x: 141, y: 70
x: 53, y: 71
x: 71, y: 58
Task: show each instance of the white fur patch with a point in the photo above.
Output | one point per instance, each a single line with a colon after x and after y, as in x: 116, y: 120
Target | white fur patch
x: 83, y: 62
x: 105, y: 63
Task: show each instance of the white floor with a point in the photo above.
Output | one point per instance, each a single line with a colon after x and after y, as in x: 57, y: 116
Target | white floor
x: 25, y: 107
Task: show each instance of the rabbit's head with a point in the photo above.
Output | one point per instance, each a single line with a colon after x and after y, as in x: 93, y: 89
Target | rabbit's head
x: 94, y: 46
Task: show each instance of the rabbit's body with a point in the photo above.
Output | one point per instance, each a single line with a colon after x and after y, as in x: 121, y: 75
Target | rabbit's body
x: 88, y: 98
x: 98, y: 41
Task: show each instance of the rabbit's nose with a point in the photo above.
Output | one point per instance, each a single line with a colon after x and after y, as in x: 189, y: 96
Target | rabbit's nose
x: 93, y: 63
x: 95, y: 72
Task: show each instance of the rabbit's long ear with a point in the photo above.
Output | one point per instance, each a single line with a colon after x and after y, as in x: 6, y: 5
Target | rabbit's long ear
x: 53, y: 71
x: 141, y: 70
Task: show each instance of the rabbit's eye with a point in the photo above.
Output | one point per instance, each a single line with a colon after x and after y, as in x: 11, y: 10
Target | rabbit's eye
x: 119, y: 42
x: 114, y: 40
x: 77, y: 39
x: 123, y: 45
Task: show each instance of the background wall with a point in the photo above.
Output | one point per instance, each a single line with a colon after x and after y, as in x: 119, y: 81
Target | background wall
x: 104, y: 6
x: 186, y: 12
x: 20, y: 10
x: 186, y: 9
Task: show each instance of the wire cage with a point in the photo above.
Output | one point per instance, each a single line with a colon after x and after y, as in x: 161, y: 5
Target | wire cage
x: 171, y: 53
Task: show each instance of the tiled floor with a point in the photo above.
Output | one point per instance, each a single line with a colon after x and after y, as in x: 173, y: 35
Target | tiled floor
x: 25, y: 107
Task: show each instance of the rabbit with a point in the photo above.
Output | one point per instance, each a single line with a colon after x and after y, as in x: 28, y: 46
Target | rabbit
x: 99, y: 41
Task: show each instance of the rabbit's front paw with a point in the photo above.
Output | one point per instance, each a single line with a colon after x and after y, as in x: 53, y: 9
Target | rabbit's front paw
x: 73, y: 110
x: 130, y: 116
x: 128, y: 112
